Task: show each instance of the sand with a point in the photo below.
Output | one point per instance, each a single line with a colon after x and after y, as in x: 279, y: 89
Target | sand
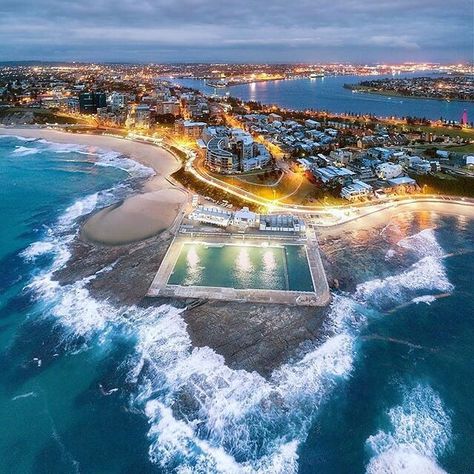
x: 141, y: 216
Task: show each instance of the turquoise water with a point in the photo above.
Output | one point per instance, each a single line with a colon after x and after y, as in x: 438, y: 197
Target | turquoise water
x: 242, y: 267
x: 329, y: 94
x: 87, y: 387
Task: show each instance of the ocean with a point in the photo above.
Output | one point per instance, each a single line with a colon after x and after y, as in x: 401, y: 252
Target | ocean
x: 328, y: 93
x: 87, y: 387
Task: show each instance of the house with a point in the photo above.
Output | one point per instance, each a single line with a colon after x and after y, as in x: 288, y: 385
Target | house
x: 388, y: 170
x: 211, y: 215
x: 356, y: 190
x: 245, y: 218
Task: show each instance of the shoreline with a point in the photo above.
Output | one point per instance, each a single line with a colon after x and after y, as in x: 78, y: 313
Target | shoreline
x: 164, y: 163
x: 394, y: 94
x: 247, y: 335
x: 154, y: 209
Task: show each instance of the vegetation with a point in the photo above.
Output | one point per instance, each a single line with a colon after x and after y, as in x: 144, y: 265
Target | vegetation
x: 459, y: 186
x: 20, y: 115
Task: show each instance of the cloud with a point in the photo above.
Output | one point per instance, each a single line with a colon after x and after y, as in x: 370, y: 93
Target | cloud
x: 199, y: 30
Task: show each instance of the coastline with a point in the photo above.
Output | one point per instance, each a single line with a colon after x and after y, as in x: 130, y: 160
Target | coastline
x: 141, y: 216
x: 394, y: 94
x: 247, y: 335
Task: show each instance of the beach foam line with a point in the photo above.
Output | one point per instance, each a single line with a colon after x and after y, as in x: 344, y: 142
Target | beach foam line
x: 419, y: 433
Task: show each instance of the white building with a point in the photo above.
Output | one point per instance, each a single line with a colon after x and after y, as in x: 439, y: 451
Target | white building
x: 281, y: 223
x: 211, y: 215
x: 245, y: 218
x: 116, y: 101
x: 388, y: 170
x: 235, y: 151
x: 356, y: 190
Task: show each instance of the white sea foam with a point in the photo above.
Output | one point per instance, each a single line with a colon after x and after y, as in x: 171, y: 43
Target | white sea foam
x: 104, y: 157
x: 420, y: 432
x: 25, y: 151
x: 390, y: 254
x: 255, y: 420
x: 427, y: 299
x: 206, y: 417
x: 423, y: 244
x: 426, y: 274
x: 37, y: 249
x: 22, y: 139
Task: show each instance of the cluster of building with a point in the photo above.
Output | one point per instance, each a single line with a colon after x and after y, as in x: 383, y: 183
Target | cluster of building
x: 452, y: 87
x: 303, y: 137
x: 245, y: 218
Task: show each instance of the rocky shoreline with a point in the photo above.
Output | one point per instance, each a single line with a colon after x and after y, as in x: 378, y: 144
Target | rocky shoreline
x: 254, y: 337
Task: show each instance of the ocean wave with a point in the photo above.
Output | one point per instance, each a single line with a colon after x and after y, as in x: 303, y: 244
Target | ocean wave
x: 420, y: 432
x: 206, y: 417
x: 423, y: 244
x: 240, y: 412
x: 25, y: 151
x: 36, y: 249
x: 104, y: 157
x: 16, y: 137
x: 428, y: 274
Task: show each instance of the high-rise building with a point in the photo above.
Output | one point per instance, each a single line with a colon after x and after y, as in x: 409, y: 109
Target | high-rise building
x: 142, y: 116
x: 89, y: 102
x: 235, y: 152
x: 464, y: 117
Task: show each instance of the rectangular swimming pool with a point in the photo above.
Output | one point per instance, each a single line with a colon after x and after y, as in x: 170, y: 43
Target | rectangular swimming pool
x: 270, y: 267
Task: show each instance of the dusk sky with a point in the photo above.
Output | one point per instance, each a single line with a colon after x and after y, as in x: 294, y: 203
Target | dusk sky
x: 237, y: 31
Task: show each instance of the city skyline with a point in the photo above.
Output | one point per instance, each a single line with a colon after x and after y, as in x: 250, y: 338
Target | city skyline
x: 200, y: 31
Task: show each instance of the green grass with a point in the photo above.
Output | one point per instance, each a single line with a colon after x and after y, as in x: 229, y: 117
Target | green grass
x: 448, y: 131
x: 461, y: 149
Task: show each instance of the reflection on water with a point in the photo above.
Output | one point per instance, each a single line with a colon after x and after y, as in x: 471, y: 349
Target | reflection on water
x: 193, y: 268
x: 269, y: 262
x: 243, y: 266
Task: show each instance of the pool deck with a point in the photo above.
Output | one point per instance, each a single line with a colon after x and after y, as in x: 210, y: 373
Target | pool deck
x: 319, y: 297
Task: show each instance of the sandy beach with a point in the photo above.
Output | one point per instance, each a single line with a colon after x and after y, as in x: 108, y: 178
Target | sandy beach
x: 139, y: 217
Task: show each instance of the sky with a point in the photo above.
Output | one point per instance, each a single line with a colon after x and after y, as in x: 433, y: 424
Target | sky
x: 362, y: 31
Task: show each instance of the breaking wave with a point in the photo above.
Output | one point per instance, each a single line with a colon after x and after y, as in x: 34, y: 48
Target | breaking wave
x: 25, y: 151
x: 419, y: 433
x: 102, y: 157
x: 206, y: 417
x: 428, y: 273
x: 423, y: 244
x: 21, y: 139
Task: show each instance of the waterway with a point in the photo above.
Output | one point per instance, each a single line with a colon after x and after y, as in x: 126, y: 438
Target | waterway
x: 328, y: 93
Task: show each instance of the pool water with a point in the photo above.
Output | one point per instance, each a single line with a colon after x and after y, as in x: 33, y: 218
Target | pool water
x: 243, y: 266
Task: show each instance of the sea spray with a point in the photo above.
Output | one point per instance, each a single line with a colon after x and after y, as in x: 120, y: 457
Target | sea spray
x: 419, y: 433
x: 202, y: 414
